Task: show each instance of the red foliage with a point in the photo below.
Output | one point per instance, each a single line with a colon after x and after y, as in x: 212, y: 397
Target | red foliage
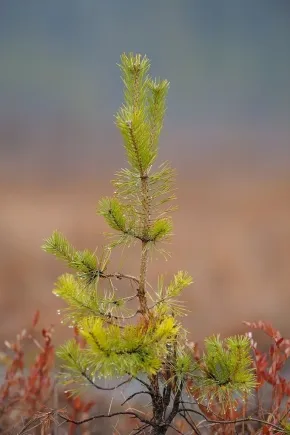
x: 268, y: 368
x: 27, y: 389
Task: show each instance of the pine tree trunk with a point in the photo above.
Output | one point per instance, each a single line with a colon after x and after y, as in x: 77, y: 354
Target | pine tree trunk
x: 160, y: 430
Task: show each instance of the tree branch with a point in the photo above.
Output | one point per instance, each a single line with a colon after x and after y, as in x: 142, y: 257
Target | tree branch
x: 238, y: 420
x: 148, y: 386
x: 120, y: 276
x: 114, y: 414
x: 133, y: 395
x: 98, y: 387
x: 176, y: 404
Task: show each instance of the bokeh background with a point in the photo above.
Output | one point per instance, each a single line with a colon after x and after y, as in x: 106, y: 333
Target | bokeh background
x: 227, y: 132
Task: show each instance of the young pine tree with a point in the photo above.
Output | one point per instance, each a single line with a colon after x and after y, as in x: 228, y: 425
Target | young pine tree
x: 147, y: 343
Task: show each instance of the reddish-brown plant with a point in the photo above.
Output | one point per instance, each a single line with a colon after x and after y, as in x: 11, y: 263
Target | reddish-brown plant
x: 28, y: 388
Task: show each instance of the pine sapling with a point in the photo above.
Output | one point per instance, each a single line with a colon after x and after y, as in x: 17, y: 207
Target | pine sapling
x: 146, y: 344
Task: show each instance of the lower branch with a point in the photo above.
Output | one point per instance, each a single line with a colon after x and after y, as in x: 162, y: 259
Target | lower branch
x: 98, y: 387
x: 238, y: 420
x: 142, y: 382
x: 114, y: 414
x: 134, y: 395
x: 120, y: 276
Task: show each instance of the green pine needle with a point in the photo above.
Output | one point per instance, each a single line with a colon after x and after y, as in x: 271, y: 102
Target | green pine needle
x: 226, y: 371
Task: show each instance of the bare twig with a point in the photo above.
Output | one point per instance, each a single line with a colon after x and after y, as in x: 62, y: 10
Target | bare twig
x: 98, y: 387
x: 133, y: 395
x: 114, y: 414
x: 120, y: 276
x: 238, y: 420
x: 41, y: 418
x: 148, y: 386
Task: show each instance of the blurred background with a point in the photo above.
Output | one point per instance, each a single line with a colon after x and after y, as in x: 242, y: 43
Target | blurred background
x: 227, y: 132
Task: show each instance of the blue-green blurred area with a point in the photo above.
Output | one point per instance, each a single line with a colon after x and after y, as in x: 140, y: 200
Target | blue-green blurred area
x: 228, y: 63
x: 227, y: 132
